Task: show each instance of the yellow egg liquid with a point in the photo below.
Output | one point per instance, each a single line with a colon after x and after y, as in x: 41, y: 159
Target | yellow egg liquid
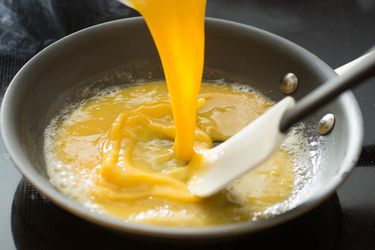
x: 177, y: 27
x: 114, y: 153
x: 130, y: 152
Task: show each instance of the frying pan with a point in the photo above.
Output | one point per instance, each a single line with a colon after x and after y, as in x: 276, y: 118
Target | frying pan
x: 123, y: 52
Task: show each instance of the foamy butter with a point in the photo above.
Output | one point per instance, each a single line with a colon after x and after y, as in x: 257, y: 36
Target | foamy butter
x: 142, y: 181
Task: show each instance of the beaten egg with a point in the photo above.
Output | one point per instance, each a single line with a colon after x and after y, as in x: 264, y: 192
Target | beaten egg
x: 130, y: 152
x: 114, y: 153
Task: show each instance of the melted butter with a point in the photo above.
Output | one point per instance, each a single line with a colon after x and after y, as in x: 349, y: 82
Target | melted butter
x: 120, y: 146
x: 177, y: 28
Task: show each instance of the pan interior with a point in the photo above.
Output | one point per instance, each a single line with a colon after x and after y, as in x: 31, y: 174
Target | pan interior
x: 297, y: 143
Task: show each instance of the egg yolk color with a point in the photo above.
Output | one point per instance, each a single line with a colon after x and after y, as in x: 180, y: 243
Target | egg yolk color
x: 120, y: 146
x: 132, y: 151
x: 177, y: 27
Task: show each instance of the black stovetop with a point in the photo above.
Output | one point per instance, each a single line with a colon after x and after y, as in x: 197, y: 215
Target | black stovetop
x: 337, y: 31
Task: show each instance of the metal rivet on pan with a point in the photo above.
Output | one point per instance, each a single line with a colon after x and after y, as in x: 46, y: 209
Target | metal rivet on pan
x: 326, y: 124
x: 289, y: 83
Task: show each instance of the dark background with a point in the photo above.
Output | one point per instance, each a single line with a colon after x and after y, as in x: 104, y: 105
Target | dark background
x: 337, y: 31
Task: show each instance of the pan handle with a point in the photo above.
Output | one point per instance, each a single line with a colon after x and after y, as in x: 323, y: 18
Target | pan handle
x: 351, y: 75
x: 347, y: 67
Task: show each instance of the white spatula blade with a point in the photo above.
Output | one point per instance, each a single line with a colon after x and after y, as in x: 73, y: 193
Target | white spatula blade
x: 245, y: 150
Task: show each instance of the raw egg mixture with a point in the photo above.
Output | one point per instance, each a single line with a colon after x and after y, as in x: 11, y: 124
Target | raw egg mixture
x: 130, y: 151
x: 115, y: 154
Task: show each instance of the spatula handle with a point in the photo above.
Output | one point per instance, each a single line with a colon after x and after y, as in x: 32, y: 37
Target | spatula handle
x: 328, y: 91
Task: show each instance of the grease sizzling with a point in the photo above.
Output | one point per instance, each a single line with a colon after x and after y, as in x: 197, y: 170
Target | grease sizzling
x: 143, y: 182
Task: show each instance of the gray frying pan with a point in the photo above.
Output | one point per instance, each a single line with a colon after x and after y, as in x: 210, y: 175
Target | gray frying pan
x: 123, y: 51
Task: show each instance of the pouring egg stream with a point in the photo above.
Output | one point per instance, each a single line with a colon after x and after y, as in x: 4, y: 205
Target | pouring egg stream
x: 130, y: 151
